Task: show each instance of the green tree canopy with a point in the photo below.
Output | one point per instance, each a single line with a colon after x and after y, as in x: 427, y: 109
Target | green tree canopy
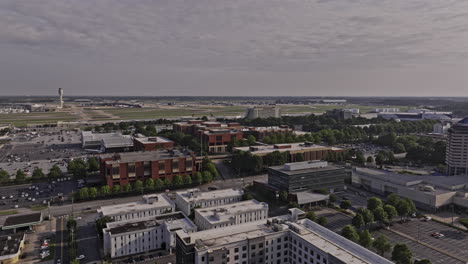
x: 391, y: 211
x: 382, y: 245
x: 20, y: 176
x: 207, y: 176
x: 373, y: 203
x: 187, y: 180
x: 4, y: 177
x: 83, y: 193
x: 149, y: 184
x: 311, y: 216
x: 365, y: 239
x: 350, y: 233
x: 358, y: 221
x: 92, y: 164
x: 93, y: 192
x: 55, y: 172
x: 178, y: 181
x: 158, y: 184
x: 322, y: 220
x: 105, y: 190
x: 401, y: 254
x: 345, y: 204
x: 38, y: 174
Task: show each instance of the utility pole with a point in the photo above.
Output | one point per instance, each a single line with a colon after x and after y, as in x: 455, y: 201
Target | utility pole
x: 50, y: 219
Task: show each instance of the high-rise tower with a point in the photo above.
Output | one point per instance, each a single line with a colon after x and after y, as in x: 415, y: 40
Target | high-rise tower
x: 60, y: 92
x: 457, y: 148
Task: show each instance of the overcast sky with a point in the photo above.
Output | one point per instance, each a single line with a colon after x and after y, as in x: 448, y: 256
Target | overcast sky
x: 234, y: 47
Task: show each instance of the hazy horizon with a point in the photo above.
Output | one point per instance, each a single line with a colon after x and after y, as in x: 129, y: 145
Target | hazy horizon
x: 234, y: 48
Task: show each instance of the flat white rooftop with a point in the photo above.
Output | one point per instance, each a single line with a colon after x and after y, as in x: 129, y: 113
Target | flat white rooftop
x: 223, y: 213
x: 193, y: 195
x: 147, y: 203
x: 326, y: 240
x: 286, y: 147
x: 149, y: 140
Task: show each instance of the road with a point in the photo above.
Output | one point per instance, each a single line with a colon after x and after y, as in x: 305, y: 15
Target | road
x: 61, y: 240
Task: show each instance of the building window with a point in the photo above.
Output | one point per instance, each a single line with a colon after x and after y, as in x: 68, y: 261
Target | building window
x: 175, y: 165
x: 162, y: 167
x: 131, y: 169
x: 188, y: 164
x: 147, y: 168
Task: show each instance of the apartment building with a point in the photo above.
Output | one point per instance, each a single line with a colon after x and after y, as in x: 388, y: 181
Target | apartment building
x: 230, y: 214
x: 150, y: 205
x: 288, y: 239
x: 188, y: 200
x: 123, y: 168
x: 457, y: 148
x: 130, y: 237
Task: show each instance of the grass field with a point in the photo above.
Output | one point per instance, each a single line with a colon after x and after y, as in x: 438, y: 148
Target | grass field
x: 8, y: 212
x: 155, y: 113
x: 36, y: 118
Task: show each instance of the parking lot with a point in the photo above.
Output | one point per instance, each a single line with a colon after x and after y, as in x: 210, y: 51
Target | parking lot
x: 34, y: 194
x: 88, y: 243
x: 453, y: 243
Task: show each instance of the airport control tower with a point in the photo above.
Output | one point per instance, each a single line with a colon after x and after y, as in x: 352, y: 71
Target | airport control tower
x: 60, y: 92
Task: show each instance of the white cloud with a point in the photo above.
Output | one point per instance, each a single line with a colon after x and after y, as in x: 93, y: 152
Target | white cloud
x: 240, y: 35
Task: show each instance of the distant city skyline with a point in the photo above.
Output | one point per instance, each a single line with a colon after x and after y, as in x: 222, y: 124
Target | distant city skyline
x: 234, y: 48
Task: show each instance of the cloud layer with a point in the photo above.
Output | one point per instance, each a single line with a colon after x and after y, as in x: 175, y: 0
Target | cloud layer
x: 281, y: 47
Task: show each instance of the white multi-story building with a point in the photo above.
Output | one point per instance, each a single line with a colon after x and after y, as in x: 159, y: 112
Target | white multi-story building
x: 440, y: 128
x: 287, y: 239
x: 136, y: 236
x: 190, y: 199
x: 150, y: 205
x: 230, y: 214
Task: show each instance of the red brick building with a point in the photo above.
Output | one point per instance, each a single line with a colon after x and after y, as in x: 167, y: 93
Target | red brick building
x: 218, y: 139
x: 152, y: 143
x: 123, y: 168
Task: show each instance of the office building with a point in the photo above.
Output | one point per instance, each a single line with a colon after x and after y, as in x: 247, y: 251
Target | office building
x: 130, y: 237
x: 152, y: 143
x: 417, y: 115
x: 217, y: 140
x: 263, y: 112
x: 261, y: 132
x: 307, y: 150
x: 188, y: 200
x: 441, y: 128
x: 307, y: 176
x: 150, y: 205
x: 106, y: 142
x: 431, y: 193
x: 340, y: 114
x: 457, y: 148
x: 11, y: 248
x: 288, y: 239
x: 123, y: 168
x: 230, y: 214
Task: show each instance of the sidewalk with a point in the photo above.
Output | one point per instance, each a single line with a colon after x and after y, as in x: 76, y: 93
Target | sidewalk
x: 446, y: 217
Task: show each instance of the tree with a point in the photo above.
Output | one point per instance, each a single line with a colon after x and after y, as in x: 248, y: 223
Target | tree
x: 139, y: 186
x: 77, y: 167
x: 403, y: 208
x: 4, y: 177
x: 93, y: 192
x: 345, y: 204
x: 393, y: 199
x: 382, y: 245
x: 20, y: 176
x: 127, y: 188
x: 246, y: 197
x: 158, y: 184
x: 380, y: 215
x: 101, y: 223
x: 370, y: 159
x: 167, y: 183
x: 207, y: 176
x: 116, y: 189
x: 212, y: 169
x: 358, y: 221
x: 92, y: 164
x: 311, y: 216
x: 187, y: 180
x: 350, y: 233
x: 284, y: 196
x: 83, y: 193
x: 391, y: 211
x: 299, y: 157
x: 199, y: 178
x: 411, y: 206
x: 360, y: 159
x: 332, y: 198
x: 55, y: 172
x: 365, y: 239
x: 38, y: 174
x: 321, y: 220
x: 401, y: 254
x: 149, y: 184
x: 105, y: 190
x: 380, y: 159
x: 366, y: 215
x: 251, y: 140
x: 373, y: 203
x: 399, y: 148
x: 177, y: 181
